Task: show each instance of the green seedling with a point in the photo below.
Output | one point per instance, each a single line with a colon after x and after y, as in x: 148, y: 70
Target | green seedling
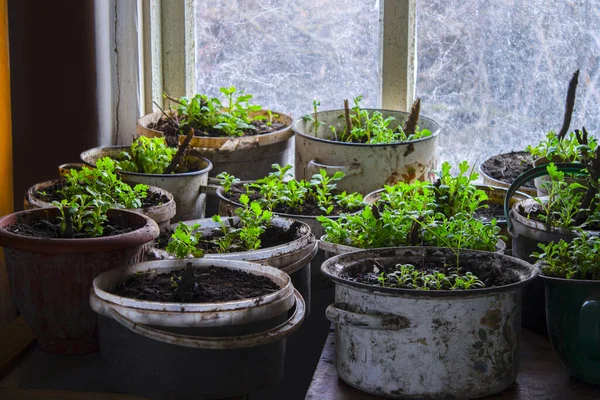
x: 146, y: 156
x: 185, y: 240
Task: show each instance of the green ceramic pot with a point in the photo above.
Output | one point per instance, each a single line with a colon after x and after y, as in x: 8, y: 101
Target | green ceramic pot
x: 573, y: 317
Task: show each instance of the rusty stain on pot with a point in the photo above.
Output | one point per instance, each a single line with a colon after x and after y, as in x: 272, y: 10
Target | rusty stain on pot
x: 409, y: 149
x: 492, y: 318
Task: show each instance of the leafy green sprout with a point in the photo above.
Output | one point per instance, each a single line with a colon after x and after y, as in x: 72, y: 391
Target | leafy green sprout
x: 554, y: 149
x: 185, y: 240
x: 233, y: 117
x: 227, y: 180
x: 579, y: 259
x: 146, y: 156
x: 407, y: 276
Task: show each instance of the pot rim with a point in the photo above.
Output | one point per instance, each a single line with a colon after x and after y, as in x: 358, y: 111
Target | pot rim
x: 500, y: 246
x: 209, y: 166
x: 31, y: 194
x: 424, y: 251
x: 143, y: 234
x: 157, y: 266
x: 434, y: 134
x: 278, y: 132
x: 308, y: 237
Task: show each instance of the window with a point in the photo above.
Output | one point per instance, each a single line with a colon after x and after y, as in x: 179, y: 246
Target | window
x: 494, y: 74
x: 288, y: 53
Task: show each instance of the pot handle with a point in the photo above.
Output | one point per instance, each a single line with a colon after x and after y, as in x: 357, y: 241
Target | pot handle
x: 290, y: 269
x: 208, y: 189
x: 313, y: 167
x: 531, y: 174
x: 589, y: 329
x: 222, y: 342
x: 337, y: 313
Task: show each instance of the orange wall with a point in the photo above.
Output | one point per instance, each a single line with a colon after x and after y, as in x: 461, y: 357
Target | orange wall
x: 7, y: 311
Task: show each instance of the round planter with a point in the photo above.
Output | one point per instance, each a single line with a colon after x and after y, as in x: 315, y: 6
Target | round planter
x: 293, y: 258
x: 403, y: 343
x: 208, y: 350
x: 491, y: 181
x: 187, y: 188
x: 317, y: 279
x: 246, y: 157
x: 51, y: 278
x: 161, y: 213
x: 573, y: 309
x: 367, y: 166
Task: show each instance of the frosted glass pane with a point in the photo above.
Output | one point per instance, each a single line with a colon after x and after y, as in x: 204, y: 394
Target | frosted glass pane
x: 494, y: 74
x: 288, y: 52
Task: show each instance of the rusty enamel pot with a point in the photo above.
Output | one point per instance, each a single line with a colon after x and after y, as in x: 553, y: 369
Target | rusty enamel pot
x: 208, y: 350
x: 367, y: 167
x: 188, y: 188
x: 51, y: 278
x: 161, y: 213
x: 426, y: 344
x: 246, y: 157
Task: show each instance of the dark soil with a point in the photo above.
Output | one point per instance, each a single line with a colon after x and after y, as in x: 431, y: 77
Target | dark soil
x: 152, y: 199
x: 168, y: 129
x: 271, y: 237
x: 490, y: 270
x: 506, y: 167
x: 309, y: 208
x: 491, y: 212
x: 51, y: 230
x: 196, y: 285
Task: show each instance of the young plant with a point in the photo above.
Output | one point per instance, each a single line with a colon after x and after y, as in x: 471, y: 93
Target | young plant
x: 184, y: 241
x: 103, y: 183
x: 323, y: 186
x: 407, y: 276
x: 554, y: 149
x: 146, y: 156
x: 82, y: 215
x: 254, y: 221
x: 227, y: 180
x: 579, y: 259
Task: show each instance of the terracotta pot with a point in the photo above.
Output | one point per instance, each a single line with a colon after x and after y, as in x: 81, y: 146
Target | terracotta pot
x: 51, y: 278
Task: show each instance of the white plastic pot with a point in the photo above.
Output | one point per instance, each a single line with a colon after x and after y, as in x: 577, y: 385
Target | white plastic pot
x: 208, y: 350
x: 367, y: 167
x: 187, y: 188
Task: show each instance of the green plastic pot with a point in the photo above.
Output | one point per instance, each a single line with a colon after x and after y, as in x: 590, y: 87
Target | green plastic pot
x: 573, y: 317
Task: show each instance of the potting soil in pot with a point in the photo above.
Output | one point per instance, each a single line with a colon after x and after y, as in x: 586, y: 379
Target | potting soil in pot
x: 165, y: 126
x: 196, y: 285
x: 506, y: 167
x: 51, y: 194
x: 489, y: 272
x: 272, y: 236
x: 49, y: 229
x: 493, y: 211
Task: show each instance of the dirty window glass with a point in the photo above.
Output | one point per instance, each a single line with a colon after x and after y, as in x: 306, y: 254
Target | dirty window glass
x: 288, y: 53
x: 494, y: 74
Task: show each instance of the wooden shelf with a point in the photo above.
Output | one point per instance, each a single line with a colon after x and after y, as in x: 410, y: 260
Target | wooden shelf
x: 541, y: 376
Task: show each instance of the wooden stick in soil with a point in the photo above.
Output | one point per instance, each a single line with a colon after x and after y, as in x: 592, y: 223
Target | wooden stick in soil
x: 413, y: 118
x: 569, y: 106
x: 347, y: 116
x: 180, y: 152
